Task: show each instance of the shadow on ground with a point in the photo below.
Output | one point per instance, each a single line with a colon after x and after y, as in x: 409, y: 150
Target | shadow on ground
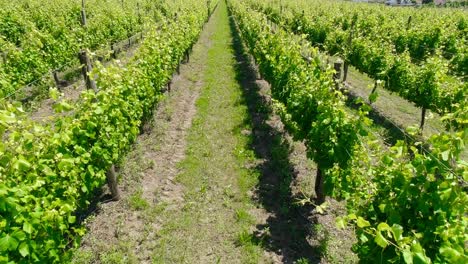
x: 393, y: 132
x: 287, y: 228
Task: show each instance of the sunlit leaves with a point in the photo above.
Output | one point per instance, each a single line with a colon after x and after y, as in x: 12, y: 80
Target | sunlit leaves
x: 52, y: 170
x: 407, y: 205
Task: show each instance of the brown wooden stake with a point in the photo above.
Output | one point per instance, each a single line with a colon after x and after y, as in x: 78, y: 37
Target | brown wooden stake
x: 138, y: 12
x: 345, y: 70
x: 56, y: 79
x: 83, y: 17
x: 408, y: 25
x: 423, y: 120
x: 337, y: 66
x: 86, y: 69
x: 350, y: 41
x: 112, y: 183
x: 337, y: 76
x: 114, y: 51
x: 83, y: 13
x: 375, y: 87
x: 319, y: 187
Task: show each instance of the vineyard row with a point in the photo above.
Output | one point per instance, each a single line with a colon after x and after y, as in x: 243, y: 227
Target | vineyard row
x: 406, y: 206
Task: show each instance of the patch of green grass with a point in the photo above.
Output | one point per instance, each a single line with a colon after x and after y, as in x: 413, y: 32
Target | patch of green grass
x: 243, y: 216
x: 251, y: 246
x: 83, y: 257
x: 324, y: 239
x: 113, y: 258
x: 331, y: 247
x: 154, y: 211
x: 137, y: 202
x: 216, y: 171
x: 121, y: 253
x: 302, y: 261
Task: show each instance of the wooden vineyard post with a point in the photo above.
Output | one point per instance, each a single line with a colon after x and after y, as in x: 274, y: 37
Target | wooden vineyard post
x: 114, y: 51
x: 112, y: 183
x: 319, y: 188
x: 345, y: 70
x: 408, y: 25
x: 169, y: 86
x: 56, y: 79
x: 138, y: 13
x: 350, y: 40
x: 373, y: 95
x: 423, y: 120
x: 375, y: 86
x: 337, y: 76
x: 187, y: 56
x: 83, y: 13
x: 86, y: 69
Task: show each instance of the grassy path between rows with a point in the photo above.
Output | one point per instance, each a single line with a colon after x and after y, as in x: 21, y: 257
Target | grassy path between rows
x: 188, y: 185
x: 209, y: 226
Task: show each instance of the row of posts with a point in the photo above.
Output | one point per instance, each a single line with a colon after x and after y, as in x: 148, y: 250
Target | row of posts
x: 337, y: 66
